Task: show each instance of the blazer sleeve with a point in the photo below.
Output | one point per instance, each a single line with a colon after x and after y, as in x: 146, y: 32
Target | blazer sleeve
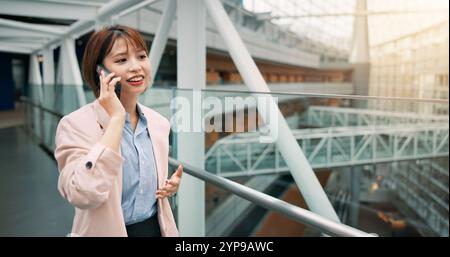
x: 86, y: 170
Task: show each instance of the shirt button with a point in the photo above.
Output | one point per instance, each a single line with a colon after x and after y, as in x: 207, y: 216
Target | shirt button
x: 88, y: 165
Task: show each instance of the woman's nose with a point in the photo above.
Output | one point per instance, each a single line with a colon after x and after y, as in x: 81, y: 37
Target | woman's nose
x: 134, y: 65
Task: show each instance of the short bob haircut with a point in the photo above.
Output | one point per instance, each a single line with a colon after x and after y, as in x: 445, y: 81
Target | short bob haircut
x: 100, y: 45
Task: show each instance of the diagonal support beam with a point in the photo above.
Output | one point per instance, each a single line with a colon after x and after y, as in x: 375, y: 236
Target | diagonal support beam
x: 161, y: 36
x: 298, y: 165
x: 82, y: 26
x: 236, y: 161
x: 26, y: 45
x: 19, y: 50
x: 52, y: 30
x: 20, y: 33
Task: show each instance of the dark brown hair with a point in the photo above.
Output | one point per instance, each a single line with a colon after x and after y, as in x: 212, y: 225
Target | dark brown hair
x: 100, y: 45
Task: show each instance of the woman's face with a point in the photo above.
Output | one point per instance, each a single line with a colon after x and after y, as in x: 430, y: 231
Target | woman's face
x: 131, y: 65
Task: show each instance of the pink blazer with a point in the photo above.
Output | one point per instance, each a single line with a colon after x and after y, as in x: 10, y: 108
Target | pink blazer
x: 91, y: 174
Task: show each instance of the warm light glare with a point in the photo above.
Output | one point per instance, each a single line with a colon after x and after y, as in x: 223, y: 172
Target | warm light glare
x: 374, y: 187
x: 406, y: 17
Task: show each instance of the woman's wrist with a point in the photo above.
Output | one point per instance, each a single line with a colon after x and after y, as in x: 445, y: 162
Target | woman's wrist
x: 113, y: 132
x: 119, y: 118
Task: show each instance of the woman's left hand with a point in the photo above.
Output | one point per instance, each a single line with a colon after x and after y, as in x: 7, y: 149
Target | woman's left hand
x: 171, y: 185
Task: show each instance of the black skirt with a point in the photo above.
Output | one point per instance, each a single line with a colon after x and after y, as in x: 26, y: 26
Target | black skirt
x: 146, y: 228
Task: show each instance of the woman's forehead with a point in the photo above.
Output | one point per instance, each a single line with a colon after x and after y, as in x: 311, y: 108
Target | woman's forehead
x: 124, y: 46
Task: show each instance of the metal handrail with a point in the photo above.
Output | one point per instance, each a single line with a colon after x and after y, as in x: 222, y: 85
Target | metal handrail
x: 304, y: 94
x: 26, y: 100
x: 319, y: 95
x: 296, y: 213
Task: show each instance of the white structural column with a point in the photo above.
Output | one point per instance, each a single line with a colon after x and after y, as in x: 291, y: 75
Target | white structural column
x: 359, y: 56
x: 360, y: 45
x: 35, y: 89
x: 48, y: 89
x: 191, y: 72
x: 69, y: 76
x: 48, y: 67
x: 298, y: 165
x: 34, y: 77
x: 161, y: 36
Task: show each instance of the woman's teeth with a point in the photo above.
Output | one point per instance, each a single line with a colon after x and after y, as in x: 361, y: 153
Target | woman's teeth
x: 136, y: 79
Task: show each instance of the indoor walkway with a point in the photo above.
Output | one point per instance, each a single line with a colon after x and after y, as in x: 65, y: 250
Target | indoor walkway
x: 31, y: 203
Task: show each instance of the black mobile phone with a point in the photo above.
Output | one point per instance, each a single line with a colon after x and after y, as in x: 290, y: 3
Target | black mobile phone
x: 117, y: 87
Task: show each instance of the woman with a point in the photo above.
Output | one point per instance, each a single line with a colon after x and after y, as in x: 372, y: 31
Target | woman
x: 113, y: 154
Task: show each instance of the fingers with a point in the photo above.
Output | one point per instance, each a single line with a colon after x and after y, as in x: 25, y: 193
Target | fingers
x: 179, y: 171
x: 171, y: 185
x: 102, y: 86
x: 170, y: 188
x: 112, y: 84
x: 175, y: 178
x: 162, y: 193
x: 105, y: 82
x: 171, y: 182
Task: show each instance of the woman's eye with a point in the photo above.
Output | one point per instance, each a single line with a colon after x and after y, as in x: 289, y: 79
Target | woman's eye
x: 121, y: 60
x: 143, y: 56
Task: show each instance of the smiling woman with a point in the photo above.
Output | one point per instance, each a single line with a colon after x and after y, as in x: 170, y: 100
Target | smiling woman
x: 113, y: 154
x: 116, y: 48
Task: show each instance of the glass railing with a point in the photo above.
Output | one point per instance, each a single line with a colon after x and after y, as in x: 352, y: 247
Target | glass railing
x: 380, y: 139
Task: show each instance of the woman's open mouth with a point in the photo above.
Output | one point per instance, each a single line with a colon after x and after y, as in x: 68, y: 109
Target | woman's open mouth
x: 136, y: 81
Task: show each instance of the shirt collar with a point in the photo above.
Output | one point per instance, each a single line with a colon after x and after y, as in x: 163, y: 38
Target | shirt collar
x: 141, y: 125
x: 139, y: 110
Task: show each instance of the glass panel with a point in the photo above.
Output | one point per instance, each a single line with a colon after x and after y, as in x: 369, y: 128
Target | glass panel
x: 384, y: 168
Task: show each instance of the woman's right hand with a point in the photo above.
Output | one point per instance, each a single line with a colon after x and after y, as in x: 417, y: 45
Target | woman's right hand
x: 108, y: 98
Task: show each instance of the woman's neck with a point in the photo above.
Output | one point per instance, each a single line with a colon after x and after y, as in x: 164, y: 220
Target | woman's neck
x: 130, y: 105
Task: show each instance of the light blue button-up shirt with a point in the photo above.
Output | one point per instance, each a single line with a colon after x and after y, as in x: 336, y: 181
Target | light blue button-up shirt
x: 139, y: 181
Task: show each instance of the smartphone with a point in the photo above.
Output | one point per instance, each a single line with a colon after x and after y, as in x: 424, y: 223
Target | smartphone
x: 117, y: 87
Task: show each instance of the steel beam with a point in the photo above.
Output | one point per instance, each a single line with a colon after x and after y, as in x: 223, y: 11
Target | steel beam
x: 42, y: 9
x: 299, y: 167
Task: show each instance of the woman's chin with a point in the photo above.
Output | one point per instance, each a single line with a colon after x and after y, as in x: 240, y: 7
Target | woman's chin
x: 132, y: 91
